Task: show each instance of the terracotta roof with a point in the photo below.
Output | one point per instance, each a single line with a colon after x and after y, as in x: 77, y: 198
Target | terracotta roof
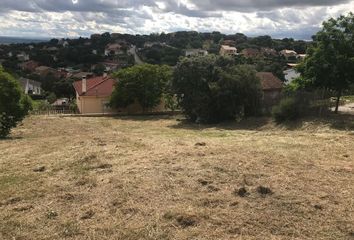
x: 269, y: 81
x: 97, y: 86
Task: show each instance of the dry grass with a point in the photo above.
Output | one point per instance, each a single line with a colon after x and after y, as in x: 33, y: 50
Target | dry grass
x: 151, y: 178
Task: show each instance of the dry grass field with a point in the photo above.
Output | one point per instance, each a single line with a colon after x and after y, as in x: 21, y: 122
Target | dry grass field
x: 160, y: 178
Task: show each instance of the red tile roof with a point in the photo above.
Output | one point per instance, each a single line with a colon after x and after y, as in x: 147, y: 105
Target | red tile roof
x: 97, y: 86
x: 269, y: 81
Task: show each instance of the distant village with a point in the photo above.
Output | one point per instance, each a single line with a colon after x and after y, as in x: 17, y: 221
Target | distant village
x: 64, y: 69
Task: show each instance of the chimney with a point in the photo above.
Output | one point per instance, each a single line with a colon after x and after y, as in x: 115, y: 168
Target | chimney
x: 84, y: 84
x: 105, y: 74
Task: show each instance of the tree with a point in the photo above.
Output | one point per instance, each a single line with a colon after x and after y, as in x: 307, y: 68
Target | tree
x: 99, y: 69
x: 142, y: 83
x: 14, y: 105
x: 213, y: 89
x: 330, y: 60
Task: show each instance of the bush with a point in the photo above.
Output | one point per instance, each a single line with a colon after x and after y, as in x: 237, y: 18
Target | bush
x: 287, y: 110
x: 14, y: 105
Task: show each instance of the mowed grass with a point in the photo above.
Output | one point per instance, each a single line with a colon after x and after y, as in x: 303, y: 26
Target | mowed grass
x: 160, y: 178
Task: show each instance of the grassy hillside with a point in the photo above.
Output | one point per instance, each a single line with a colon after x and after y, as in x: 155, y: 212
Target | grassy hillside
x: 153, y: 178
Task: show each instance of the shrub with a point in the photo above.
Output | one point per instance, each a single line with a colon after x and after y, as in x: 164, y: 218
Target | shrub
x: 14, y: 105
x: 287, y: 110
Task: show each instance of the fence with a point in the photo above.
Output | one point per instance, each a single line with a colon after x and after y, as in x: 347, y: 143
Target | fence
x: 52, y: 112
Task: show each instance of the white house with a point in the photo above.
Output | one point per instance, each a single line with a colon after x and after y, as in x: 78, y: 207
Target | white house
x: 196, y: 52
x: 23, y: 57
x: 30, y: 86
x: 291, y: 73
x: 226, y: 50
x: 288, y: 53
x: 113, y: 49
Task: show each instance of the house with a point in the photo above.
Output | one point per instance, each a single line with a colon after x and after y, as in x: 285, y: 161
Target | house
x: 113, y: 49
x: 80, y: 75
x: 196, y: 52
x: 272, y: 87
x: 269, y: 52
x: 288, y: 54
x: 230, y: 43
x: 52, y: 49
x: 29, y: 65
x: 93, y: 94
x: 251, y: 53
x: 301, y: 56
x: 151, y: 44
x: 111, y: 65
x: 226, y: 50
x: 61, y: 102
x: 23, y: 57
x: 290, y: 73
x: 30, y: 86
x: 44, y: 70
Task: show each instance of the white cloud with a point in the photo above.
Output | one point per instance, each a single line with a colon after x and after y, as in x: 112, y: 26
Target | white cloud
x: 72, y: 18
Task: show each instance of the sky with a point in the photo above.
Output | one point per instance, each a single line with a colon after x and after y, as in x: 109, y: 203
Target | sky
x: 299, y: 19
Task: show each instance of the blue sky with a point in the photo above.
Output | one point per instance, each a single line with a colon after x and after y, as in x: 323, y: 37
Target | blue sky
x: 72, y: 18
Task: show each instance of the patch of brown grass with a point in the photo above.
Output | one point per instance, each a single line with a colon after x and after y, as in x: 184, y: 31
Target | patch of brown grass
x: 153, y: 178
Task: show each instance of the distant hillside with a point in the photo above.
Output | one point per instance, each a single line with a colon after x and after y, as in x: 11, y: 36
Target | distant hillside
x: 10, y: 40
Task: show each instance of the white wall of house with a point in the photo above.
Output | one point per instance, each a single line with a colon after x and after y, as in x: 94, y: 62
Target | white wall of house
x: 290, y: 75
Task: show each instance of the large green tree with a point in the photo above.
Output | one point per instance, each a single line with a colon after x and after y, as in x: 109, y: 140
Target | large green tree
x: 213, y: 89
x: 14, y: 105
x: 330, y: 61
x: 144, y: 83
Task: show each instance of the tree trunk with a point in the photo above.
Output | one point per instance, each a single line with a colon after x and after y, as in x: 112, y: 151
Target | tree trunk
x: 338, y: 100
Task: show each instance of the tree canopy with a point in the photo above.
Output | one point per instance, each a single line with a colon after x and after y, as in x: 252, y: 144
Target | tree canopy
x: 14, y: 105
x: 213, y: 89
x: 142, y: 83
x: 330, y: 61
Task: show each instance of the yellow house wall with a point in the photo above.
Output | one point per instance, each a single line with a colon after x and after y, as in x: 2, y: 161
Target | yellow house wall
x: 88, y: 105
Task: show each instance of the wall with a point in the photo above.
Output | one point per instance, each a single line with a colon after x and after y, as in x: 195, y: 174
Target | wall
x: 87, y: 104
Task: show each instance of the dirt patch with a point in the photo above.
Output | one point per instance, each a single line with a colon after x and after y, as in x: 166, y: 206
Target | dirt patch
x: 242, y: 192
x: 264, y: 190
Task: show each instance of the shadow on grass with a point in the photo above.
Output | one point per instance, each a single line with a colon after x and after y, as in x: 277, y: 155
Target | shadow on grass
x: 342, y: 122
x: 147, y: 117
x: 245, y: 124
x: 11, y: 138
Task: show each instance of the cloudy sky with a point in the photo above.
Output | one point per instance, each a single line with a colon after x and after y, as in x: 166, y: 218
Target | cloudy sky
x: 72, y: 18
